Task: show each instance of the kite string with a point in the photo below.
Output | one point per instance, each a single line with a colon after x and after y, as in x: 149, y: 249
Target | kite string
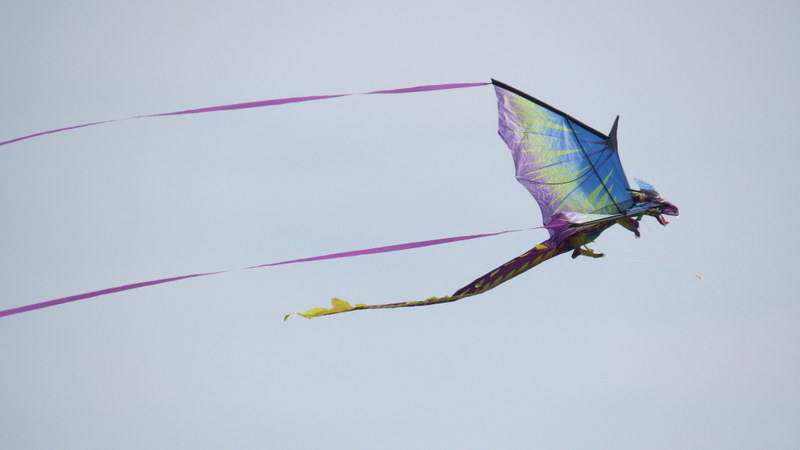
x: 257, y: 104
x: 348, y: 254
x: 678, y: 262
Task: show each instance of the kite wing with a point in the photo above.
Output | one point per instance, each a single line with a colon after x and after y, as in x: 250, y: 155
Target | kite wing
x: 566, y: 165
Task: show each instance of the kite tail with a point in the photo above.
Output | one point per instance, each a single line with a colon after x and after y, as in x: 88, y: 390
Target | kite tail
x: 496, y: 277
x: 340, y: 306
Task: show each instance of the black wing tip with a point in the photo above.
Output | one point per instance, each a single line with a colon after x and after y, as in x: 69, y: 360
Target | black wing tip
x: 547, y: 106
x: 612, y: 135
x: 520, y: 93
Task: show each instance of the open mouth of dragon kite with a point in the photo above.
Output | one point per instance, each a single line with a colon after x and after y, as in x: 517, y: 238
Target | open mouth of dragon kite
x: 670, y: 210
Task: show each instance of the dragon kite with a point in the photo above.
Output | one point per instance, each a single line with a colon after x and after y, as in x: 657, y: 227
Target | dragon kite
x: 572, y: 170
x: 574, y: 173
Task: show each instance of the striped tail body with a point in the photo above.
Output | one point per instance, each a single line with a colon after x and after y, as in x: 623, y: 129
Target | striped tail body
x: 507, y: 271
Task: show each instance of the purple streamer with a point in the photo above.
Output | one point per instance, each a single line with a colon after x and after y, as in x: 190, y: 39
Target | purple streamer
x: 59, y: 130
x: 368, y: 251
x: 246, y: 105
x: 258, y: 104
x: 430, y: 87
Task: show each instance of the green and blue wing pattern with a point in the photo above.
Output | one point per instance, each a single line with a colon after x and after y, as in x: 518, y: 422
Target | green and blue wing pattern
x: 566, y: 165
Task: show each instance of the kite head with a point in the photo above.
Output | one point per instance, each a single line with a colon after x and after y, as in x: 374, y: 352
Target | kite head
x: 652, y: 203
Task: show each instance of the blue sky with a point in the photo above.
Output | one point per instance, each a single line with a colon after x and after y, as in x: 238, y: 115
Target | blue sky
x: 630, y: 351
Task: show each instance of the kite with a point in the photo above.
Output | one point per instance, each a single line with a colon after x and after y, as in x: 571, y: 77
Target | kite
x: 575, y: 175
x: 572, y: 170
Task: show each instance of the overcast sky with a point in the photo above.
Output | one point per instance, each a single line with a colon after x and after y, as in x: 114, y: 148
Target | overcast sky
x: 630, y: 351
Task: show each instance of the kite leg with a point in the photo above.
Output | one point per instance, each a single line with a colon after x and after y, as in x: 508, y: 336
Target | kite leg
x: 579, y: 240
x: 630, y: 224
x: 586, y: 251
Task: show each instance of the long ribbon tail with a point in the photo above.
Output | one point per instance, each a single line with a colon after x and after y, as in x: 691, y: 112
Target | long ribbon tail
x: 257, y: 104
x: 368, y: 251
x: 538, y: 254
